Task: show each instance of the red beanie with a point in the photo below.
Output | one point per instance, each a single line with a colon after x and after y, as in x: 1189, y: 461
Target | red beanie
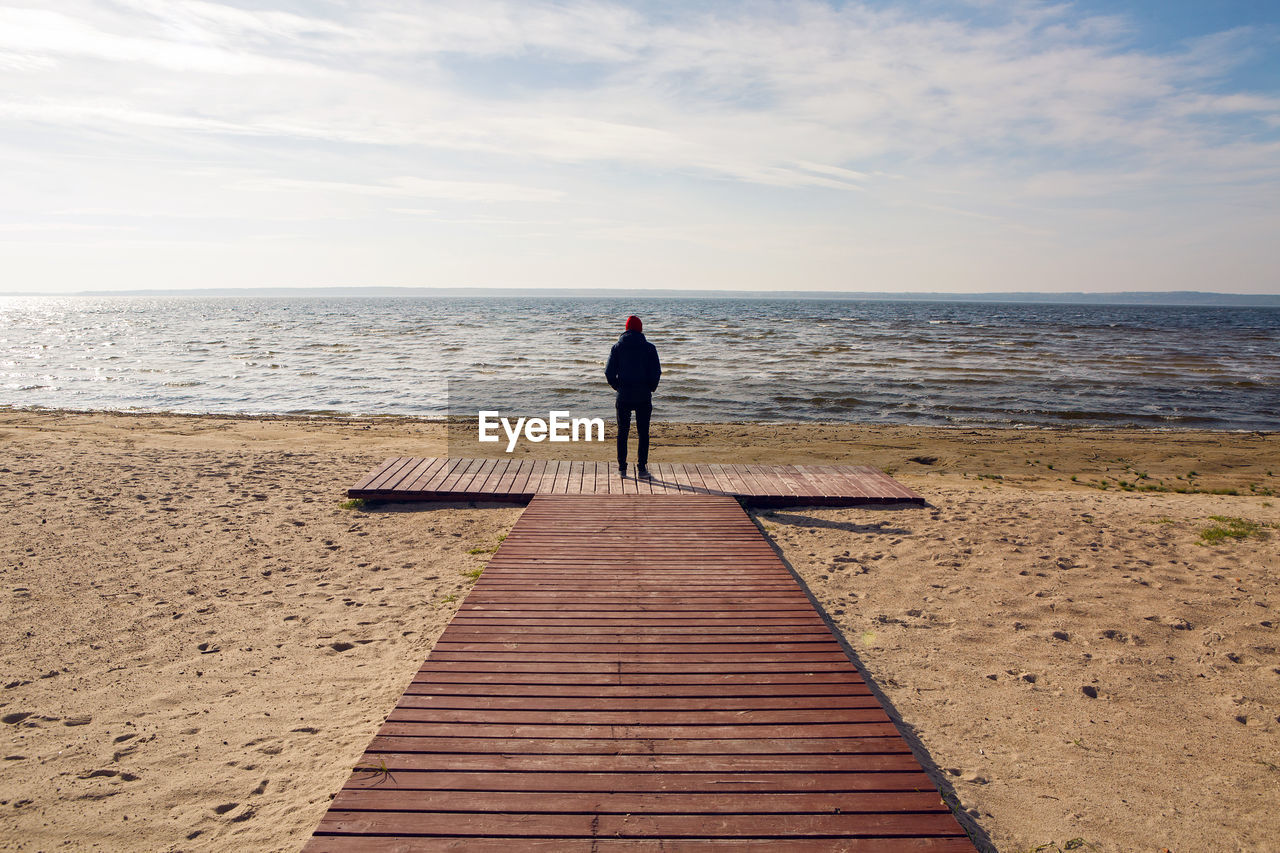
x: 634, y: 324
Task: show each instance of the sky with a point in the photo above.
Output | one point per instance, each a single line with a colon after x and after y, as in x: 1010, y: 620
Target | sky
x: 940, y: 145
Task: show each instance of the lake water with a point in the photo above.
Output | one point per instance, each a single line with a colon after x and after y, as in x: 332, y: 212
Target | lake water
x: 944, y: 363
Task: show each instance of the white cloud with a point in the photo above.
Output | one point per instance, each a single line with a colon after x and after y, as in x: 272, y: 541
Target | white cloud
x: 51, y: 34
x: 1013, y: 119
x: 742, y: 95
x: 408, y: 186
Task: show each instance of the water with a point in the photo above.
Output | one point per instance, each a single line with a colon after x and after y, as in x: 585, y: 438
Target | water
x: 940, y: 363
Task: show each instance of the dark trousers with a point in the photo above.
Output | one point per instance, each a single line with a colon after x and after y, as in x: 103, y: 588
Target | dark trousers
x: 642, y: 405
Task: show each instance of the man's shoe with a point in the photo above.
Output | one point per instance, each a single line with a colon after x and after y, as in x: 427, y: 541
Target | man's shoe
x: 642, y: 471
x: 622, y: 469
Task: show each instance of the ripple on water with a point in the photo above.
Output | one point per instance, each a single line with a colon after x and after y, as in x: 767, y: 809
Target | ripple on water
x: 726, y: 359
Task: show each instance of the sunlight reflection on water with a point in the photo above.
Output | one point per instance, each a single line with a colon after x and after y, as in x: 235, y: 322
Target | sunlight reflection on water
x: 726, y: 359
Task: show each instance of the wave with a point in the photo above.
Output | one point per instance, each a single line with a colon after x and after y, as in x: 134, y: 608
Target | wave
x: 725, y: 358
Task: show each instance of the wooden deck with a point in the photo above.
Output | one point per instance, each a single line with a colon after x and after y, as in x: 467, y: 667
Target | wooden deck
x: 639, y: 674
x: 412, y: 478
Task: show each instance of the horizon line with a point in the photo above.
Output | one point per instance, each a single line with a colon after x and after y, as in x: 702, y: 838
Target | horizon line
x: 1151, y: 297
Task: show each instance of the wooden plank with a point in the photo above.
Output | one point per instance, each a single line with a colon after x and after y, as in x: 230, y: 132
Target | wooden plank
x: 613, y: 781
x: 468, y: 824
x: 412, y: 475
x: 656, y: 479
x: 637, y: 684
x: 531, y: 472
x: 780, y: 482
x: 407, y: 711
x: 374, y: 799
x: 364, y: 481
x: 489, y: 483
x: 506, y: 482
x: 461, y: 475
x: 547, y: 484
x: 629, y: 482
x: 504, y: 844
x: 434, y: 482
x: 561, y: 484
x: 736, y: 481
x: 750, y: 488
x: 419, y: 478
x: 592, y: 623
x: 423, y: 475
x: 618, y: 746
x: 389, y: 472
x: 715, y: 474
x: 640, y: 669
x: 445, y: 662
x: 469, y: 485
x: 814, y: 484
x: 646, y: 704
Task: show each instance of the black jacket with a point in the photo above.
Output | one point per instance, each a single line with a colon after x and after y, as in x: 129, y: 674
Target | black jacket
x: 633, y: 364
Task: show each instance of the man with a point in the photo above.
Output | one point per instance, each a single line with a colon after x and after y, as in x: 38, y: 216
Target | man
x: 633, y: 371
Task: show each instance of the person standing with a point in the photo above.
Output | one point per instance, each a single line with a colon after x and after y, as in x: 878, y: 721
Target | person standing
x: 633, y: 371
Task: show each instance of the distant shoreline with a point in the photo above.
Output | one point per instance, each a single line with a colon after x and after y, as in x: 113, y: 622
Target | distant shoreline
x: 369, y: 419
x: 1171, y: 298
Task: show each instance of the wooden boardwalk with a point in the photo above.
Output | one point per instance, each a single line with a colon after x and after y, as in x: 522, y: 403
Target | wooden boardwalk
x: 413, y: 478
x: 641, y: 674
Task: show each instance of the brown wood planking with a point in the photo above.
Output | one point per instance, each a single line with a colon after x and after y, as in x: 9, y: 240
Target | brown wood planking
x: 637, y: 670
x: 939, y: 822
x: 503, y: 484
x: 755, y: 488
x: 506, y: 844
x: 388, y: 470
x: 692, y: 781
x: 374, y: 474
x: 490, y: 483
x: 879, y: 802
x: 469, y: 483
x: 431, y: 478
x: 424, y: 475
x: 529, y: 469
x: 466, y: 743
x: 440, y: 475
x: 461, y: 473
x: 647, y: 704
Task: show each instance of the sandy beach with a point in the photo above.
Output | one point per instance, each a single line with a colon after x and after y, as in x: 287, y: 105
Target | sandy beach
x: 200, y: 636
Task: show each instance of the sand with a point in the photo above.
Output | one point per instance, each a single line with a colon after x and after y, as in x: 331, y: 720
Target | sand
x: 197, y: 639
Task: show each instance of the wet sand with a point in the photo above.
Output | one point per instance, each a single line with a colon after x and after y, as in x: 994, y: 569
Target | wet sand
x: 200, y: 638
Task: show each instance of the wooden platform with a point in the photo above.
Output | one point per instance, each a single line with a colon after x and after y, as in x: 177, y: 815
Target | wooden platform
x: 412, y: 478
x: 639, y: 674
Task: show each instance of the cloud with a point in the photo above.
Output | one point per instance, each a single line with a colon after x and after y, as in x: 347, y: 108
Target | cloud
x: 413, y: 187
x: 783, y: 94
x: 652, y: 117
x: 51, y: 35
